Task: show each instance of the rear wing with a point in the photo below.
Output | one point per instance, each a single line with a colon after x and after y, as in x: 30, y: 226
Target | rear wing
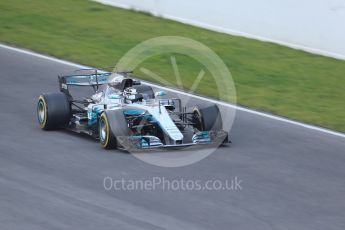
x: 93, y: 80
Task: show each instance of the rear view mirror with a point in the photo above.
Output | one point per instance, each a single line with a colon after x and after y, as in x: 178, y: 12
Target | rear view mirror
x: 160, y: 93
x: 136, y: 82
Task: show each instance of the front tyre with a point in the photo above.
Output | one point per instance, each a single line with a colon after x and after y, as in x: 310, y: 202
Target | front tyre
x: 207, y: 117
x: 106, y: 136
x: 53, y: 111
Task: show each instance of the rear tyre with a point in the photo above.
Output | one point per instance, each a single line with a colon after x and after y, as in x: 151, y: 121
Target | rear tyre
x: 53, y: 111
x: 207, y: 117
x: 145, y: 90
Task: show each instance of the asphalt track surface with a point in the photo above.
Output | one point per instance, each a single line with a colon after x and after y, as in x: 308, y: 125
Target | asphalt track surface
x: 292, y: 177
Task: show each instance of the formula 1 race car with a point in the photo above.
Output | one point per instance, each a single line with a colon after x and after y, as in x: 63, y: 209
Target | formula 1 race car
x: 123, y: 113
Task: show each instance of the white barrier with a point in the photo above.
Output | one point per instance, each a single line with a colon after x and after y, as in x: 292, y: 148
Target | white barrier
x: 316, y: 26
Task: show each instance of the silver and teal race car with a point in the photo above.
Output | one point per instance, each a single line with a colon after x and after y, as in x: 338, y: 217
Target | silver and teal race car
x: 123, y: 113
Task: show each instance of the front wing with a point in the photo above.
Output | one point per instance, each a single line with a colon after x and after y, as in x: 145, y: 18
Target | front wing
x: 209, y: 138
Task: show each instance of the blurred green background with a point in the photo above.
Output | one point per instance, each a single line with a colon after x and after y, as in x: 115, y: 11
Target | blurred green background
x: 268, y: 77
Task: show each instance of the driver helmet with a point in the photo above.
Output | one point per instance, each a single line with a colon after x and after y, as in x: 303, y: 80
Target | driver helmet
x: 116, y: 81
x: 132, y: 94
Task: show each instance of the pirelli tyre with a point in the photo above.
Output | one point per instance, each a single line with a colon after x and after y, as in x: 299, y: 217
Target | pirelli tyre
x: 112, y: 126
x: 145, y: 90
x: 207, y: 117
x: 53, y: 111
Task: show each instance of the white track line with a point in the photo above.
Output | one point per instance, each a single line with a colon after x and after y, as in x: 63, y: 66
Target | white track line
x: 225, y: 30
x: 312, y: 127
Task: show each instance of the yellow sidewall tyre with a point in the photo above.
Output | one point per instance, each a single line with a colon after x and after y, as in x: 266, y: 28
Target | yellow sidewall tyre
x: 106, y: 137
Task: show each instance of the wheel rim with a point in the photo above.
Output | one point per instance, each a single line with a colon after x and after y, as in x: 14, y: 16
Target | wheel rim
x: 102, y: 130
x: 41, y: 112
x: 198, y: 121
